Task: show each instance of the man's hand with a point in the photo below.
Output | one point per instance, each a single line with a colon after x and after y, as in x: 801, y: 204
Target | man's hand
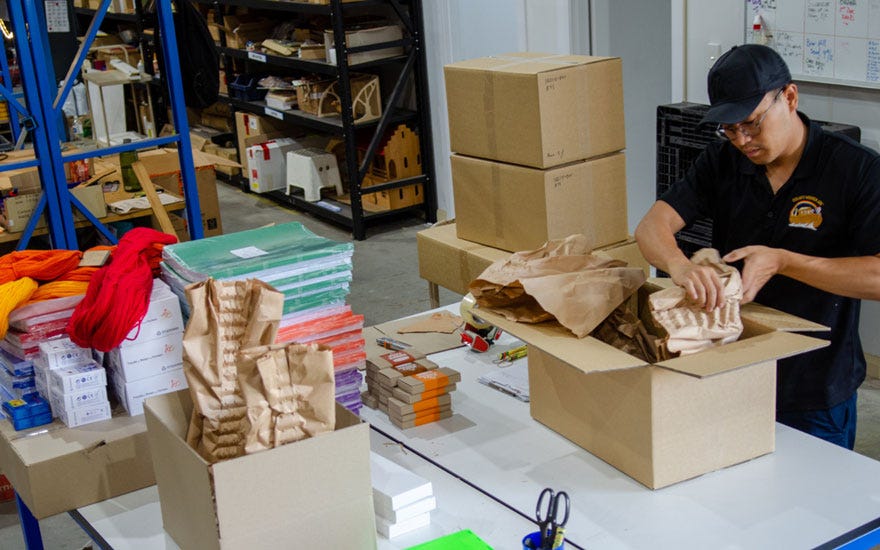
x: 760, y: 264
x: 702, y: 284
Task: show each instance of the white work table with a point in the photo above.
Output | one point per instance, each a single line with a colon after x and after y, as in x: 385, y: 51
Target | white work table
x: 804, y: 495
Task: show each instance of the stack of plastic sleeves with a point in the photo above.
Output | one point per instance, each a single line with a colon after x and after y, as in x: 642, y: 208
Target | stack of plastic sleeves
x: 312, y: 272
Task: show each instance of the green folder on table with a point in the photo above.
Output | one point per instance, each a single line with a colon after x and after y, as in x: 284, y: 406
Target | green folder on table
x: 463, y: 540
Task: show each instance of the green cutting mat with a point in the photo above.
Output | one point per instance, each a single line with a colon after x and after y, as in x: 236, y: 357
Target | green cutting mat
x: 463, y: 540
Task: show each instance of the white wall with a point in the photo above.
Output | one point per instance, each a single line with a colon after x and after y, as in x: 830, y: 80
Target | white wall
x: 722, y: 21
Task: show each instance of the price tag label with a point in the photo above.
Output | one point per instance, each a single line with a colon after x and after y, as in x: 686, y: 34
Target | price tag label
x: 257, y: 56
x: 273, y: 113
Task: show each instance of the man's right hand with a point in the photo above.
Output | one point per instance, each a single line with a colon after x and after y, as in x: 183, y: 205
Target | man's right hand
x: 702, y: 284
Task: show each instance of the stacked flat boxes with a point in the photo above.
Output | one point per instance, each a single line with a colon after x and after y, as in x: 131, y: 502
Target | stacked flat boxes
x: 73, y: 383
x: 538, y: 149
x: 409, y: 388
x: 403, y: 500
x: 150, y: 360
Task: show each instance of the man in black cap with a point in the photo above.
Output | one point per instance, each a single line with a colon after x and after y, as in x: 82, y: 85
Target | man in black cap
x: 797, y: 209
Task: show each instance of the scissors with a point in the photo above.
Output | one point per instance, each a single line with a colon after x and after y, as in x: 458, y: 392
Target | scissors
x: 551, y: 518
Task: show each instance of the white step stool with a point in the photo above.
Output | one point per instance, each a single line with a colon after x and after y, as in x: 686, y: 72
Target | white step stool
x: 310, y: 169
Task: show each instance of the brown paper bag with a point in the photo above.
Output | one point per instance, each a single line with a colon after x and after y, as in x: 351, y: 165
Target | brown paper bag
x: 226, y: 315
x: 290, y: 392
x: 691, y: 328
x: 560, y: 280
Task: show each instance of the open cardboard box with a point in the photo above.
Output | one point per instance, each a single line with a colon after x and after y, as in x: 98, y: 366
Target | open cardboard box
x: 314, y: 493
x: 671, y: 421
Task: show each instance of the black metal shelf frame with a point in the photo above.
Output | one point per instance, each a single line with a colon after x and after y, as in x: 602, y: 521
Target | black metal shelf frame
x: 412, y: 68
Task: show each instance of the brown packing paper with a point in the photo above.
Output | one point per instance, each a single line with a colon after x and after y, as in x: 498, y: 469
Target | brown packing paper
x: 289, y: 391
x: 441, y: 321
x: 226, y: 315
x: 560, y: 280
x: 692, y: 328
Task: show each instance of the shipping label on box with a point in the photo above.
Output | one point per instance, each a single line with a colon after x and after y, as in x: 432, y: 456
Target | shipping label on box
x: 535, y: 109
x: 519, y: 208
x: 74, y: 379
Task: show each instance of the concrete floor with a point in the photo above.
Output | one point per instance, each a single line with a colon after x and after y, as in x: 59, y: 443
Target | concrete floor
x: 386, y: 286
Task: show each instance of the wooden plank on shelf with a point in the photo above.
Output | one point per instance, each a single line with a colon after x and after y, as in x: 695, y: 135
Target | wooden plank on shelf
x: 158, y: 208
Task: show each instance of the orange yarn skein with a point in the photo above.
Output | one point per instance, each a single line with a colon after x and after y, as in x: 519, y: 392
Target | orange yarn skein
x: 12, y: 295
x: 42, y: 265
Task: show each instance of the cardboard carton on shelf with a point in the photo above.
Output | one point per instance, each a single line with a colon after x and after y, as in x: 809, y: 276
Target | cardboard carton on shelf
x: 17, y: 210
x: 264, y: 499
x: 535, y: 109
x: 251, y: 129
x: 516, y: 208
x: 671, y: 421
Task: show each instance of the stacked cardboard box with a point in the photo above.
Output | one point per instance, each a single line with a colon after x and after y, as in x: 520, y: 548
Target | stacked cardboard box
x: 150, y: 360
x: 409, y: 388
x: 403, y: 500
x: 538, y: 145
x: 56, y: 354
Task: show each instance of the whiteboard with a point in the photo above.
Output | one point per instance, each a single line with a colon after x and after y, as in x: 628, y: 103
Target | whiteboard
x: 834, y: 41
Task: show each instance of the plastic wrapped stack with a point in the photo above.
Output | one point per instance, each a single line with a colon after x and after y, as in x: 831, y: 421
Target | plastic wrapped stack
x: 312, y: 272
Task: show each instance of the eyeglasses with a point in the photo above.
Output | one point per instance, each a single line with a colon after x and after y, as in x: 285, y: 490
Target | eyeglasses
x: 747, y: 129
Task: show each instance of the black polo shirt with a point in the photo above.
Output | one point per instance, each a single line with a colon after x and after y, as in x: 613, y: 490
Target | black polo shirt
x: 830, y: 207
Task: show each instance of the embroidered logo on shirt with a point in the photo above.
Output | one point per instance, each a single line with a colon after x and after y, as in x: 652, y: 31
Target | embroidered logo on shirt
x: 806, y: 212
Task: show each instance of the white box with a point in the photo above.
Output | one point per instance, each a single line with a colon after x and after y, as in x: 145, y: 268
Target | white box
x: 80, y: 399
x: 84, y: 415
x: 163, y: 317
x: 132, y: 394
x: 267, y: 164
x: 394, y: 486
x: 74, y: 379
x: 146, y: 359
x: 62, y: 353
x: 409, y: 511
x: 391, y: 530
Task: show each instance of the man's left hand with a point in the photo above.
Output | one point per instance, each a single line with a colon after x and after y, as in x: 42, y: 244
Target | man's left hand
x: 760, y: 263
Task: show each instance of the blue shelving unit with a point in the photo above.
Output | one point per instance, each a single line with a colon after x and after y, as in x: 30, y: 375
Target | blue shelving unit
x: 43, y: 107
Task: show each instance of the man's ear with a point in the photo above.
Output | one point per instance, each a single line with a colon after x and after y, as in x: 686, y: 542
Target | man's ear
x: 791, y: 96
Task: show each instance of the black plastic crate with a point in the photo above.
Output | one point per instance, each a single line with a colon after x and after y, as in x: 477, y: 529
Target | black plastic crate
x: 245, y: 88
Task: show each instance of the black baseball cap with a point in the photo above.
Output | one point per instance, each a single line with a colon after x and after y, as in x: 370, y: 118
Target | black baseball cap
x: 740, y: 79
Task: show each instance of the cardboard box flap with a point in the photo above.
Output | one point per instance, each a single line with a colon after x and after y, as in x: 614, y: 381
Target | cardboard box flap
x: 778, y: 320
x: 558, y: 341
x: 526, y: 63
x: 742, y: 353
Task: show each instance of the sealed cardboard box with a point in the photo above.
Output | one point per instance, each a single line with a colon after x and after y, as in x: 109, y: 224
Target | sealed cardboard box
x: 365, y: 37
x: 535, y: 109
x: 17, y: 210
x: 61, y: 469
x: 671, y: 421
x: 315, y: 490
x: 516, y: 208
x: 251, y: 129
x: 453, y: 263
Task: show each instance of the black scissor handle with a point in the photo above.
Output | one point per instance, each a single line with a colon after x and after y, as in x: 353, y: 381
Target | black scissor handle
x: 566, y: 508
x: 548, y: 516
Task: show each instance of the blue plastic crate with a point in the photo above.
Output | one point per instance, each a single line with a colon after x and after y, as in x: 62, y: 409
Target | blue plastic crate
x: 245, y: 88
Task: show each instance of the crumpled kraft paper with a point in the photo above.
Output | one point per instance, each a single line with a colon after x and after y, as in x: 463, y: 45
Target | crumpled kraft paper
x: 290, y: 392
x: 560, y: 280
x: 691, y: 328
x: 226, y: 316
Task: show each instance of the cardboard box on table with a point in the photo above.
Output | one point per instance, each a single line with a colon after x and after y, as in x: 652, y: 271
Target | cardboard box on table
x: 56, y: 469
x: 668, y: 422
x: 535, y: 109
x: 515, y: 208
x: 315, y: 492
x: 453, y: 263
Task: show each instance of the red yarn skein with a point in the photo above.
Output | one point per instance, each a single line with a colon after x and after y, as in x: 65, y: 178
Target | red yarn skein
x: 119, y: 293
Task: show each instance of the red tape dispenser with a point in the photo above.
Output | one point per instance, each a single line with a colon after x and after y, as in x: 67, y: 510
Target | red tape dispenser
x: 477, y: 334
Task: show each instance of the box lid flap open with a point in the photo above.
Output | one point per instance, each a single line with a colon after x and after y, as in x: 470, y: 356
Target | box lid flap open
x: 750, y: 351
x: 778, y: 320
x: 586, y: 354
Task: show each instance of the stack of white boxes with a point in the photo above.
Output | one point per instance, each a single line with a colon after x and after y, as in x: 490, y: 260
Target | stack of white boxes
x: 150, y: 360
x: 75, y: 386
x: 403, y: 500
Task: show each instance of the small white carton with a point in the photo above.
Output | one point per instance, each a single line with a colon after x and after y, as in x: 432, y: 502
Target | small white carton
x: 84, y: 415
x: 267, y: 163
x: 132, y: 394
x: 62, y: 353
x: 163, y: 317
x: 394, y: 486
x: 80, y: 399
x: 147, y: 359
x: 74, y: 379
